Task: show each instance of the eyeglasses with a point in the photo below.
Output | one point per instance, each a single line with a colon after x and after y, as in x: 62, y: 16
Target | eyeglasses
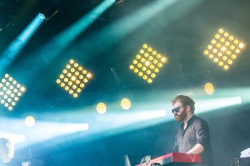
x: 177, y: 109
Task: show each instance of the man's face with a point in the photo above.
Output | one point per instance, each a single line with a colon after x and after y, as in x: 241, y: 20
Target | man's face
x: 181, y: 114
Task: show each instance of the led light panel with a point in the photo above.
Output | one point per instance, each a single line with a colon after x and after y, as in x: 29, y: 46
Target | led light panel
x: 224, y: 49
x: 147, y: 63
x: 73, y: 78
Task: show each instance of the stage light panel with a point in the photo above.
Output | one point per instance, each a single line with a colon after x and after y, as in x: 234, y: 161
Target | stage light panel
x: 209, y: 88
x: 101, y: 108
x: 74, y: 78
x: 125, y: 104
x: 30, y: 121
x: 224, y: 49
x: 10, y: 91
x: 147, y: 63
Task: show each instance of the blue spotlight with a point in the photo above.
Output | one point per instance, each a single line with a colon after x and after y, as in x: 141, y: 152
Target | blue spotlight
x: 77, y: 28
x: 35, y: 134
x: 60, y: 42
x: 53, y: 130
x: 16, y: 46
x: 207, y: 105
x: 123, y: 27
x: 15, y: 138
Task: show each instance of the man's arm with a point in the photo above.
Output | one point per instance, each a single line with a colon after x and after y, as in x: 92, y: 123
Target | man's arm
x: 202, y: 136
x: 197, y: 149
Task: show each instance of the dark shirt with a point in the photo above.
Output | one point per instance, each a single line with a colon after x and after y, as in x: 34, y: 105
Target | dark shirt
x: 196, y: 132
x: 13, y: 162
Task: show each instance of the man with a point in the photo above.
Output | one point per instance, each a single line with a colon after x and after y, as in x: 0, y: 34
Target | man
x: 193, y: 135
x: 7, y: 153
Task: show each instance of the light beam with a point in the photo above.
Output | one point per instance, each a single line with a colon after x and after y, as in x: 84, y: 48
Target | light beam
x: 17, y: 45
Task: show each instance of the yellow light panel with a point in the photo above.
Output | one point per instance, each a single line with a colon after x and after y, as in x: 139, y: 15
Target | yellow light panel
x: 101, y: 108
x: 209, y: 88
x: 125, y: 104
x: 147, y: 63
x: 10, y: 92
x: 224, y: 49
x: 30, y: 121
x: 73, y: 78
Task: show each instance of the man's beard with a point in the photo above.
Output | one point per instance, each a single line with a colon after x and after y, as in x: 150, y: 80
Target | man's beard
x: 181, y: 117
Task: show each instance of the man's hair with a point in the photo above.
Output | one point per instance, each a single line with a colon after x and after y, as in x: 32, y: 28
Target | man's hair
x: 7, y: 146
x: 185, y: 101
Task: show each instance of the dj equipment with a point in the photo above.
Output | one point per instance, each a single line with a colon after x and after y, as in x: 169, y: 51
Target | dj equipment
x: 174, y: 159
x: 242, y: 161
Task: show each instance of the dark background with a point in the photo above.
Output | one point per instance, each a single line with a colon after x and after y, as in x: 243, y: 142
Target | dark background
x: 180, y: 32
